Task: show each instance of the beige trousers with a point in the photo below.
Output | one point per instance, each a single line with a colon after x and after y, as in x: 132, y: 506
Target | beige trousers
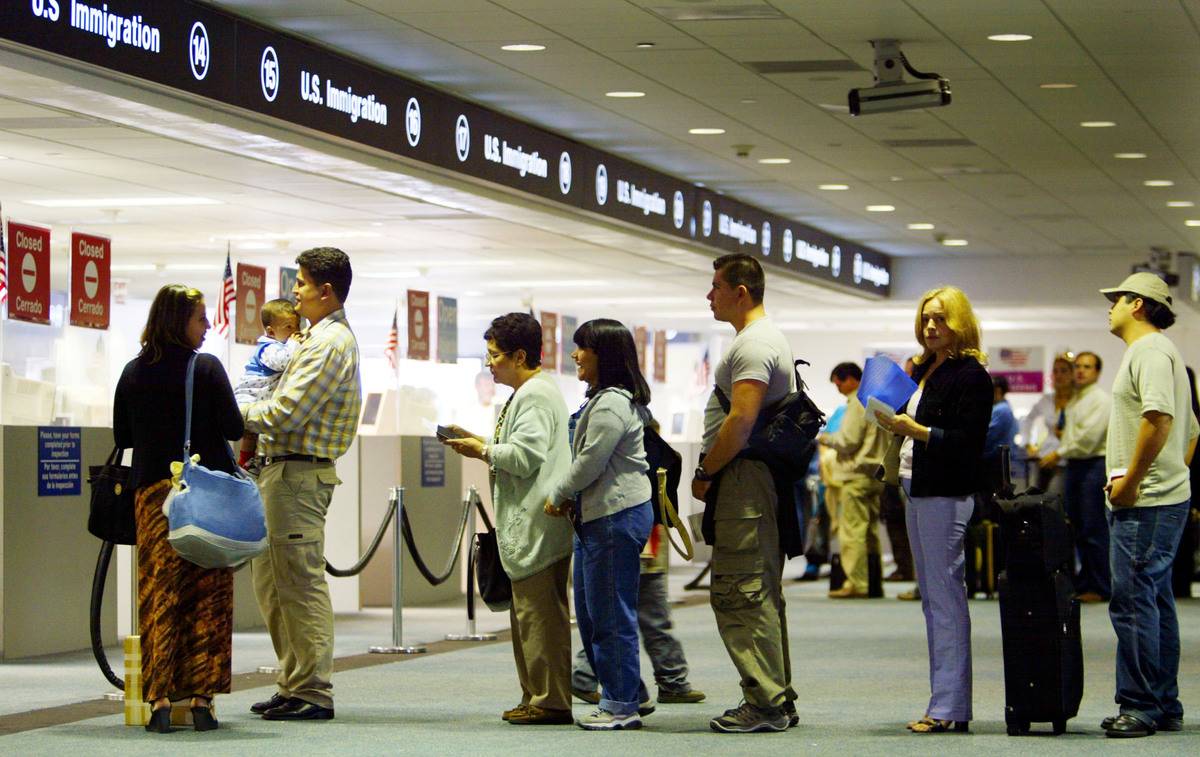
x: 289, y: 578
x: 541, y: 637
x: 858, y: 527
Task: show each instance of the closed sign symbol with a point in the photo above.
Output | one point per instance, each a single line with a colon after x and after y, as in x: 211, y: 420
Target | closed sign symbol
x: 28, y: 272
x: 418, y: 324
x: 91, y: 280
x: 251, y: 307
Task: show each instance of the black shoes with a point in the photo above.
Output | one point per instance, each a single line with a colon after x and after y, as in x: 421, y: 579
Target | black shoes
x: 160, y: 721
x: 276, y: 699
x: 1166, y: 724
x: 203, y: 720
x: 298, y: 709
x: 1126, y: 727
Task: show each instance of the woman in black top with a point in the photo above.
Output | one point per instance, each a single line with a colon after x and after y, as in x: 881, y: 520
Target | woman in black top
x: 185, y: 612
x: 937, y: 458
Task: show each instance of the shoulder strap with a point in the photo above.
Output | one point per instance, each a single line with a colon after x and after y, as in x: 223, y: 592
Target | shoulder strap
x: 187, y: 404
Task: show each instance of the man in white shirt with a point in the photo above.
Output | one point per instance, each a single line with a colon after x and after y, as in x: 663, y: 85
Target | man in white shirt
x: 1083, y: 446
x: 1151, y: 439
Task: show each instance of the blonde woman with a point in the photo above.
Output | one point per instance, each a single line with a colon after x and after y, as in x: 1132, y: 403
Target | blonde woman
x: 937, y: 459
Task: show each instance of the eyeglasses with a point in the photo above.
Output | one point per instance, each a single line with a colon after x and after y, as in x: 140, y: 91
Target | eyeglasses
x: 492, y: 357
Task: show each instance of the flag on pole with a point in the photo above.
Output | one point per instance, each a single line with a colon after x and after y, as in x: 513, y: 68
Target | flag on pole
x: 702, y: 370
x: 225, y: 300
x: 3, y: 264
x: 393, y: 341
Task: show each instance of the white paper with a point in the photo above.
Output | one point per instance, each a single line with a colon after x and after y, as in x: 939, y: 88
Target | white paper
x: 874, y: 405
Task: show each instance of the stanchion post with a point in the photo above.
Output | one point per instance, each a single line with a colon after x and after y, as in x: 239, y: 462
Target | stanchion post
x: 471, y: 634
x: 397, y: 647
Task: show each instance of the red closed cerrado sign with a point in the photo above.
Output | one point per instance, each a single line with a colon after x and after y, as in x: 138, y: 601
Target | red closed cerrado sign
x: 91, y: 260
x: 28, y: 273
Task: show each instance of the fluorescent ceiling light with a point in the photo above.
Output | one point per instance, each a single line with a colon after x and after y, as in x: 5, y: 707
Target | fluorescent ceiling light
x: 834, y: 187
x: 1192, y: 222
x: 1097, y: 124
x: 133, y: 267
x: 747, y: 101
x: 1181, y: 204
x: 644, y: 45
x: 1129, y: 155
x: 834, y: 108
x: 1158, y: 183
x: 390, y: 275
x: 270, y: 236
x: 774, y: 161
x: 556, y: 284
x: 625, y: 93
x: 3, y: 157
x: 192, y: 267
x: 523, y: 48
x: 705, y: 130
x: 880, y: 208
x: 648, y: 298
x: 472, y: 293
x: 1058, y: 85
x: 920, y: 226
x: 1010, y: 37
x: 123, y: 202
x: 954, y: 242
x: 255, y: 246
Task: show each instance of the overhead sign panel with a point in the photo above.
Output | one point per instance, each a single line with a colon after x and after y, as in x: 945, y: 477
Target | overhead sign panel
x: 198, y: 50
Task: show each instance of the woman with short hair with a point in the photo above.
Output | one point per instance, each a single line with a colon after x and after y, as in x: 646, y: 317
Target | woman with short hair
x: 607, y: 494
x: 185, y: 612
x: 937, y: 458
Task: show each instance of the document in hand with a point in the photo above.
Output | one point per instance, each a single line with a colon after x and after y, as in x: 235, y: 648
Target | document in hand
x: 885, y: 382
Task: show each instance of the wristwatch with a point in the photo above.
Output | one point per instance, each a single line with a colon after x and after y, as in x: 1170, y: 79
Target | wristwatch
x: 701, y: 474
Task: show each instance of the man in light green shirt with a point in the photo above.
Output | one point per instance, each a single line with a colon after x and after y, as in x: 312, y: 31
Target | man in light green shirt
x: 1151, y: 438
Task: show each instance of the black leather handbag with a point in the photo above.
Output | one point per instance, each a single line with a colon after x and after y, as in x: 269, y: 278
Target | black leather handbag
x: 494, y: 585
x: 111, y: 516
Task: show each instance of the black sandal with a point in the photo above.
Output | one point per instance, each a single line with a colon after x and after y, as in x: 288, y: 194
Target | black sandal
x: 160, y: 720
x: 202, y: 717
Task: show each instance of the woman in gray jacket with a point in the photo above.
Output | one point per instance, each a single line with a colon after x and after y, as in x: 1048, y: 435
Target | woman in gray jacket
x: 607, y: 495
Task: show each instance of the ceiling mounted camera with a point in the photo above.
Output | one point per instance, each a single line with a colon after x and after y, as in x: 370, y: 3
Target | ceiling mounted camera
x: 742, y: 151
x: 891, y: 92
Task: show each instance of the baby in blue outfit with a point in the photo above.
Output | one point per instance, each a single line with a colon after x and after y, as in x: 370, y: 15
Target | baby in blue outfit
x: 266, y: 365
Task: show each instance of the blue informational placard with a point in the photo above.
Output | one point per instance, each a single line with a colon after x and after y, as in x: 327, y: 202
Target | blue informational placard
x: 433, y: 463
x: 60, y: 462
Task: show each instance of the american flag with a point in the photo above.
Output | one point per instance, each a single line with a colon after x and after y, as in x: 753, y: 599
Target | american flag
x: 702, y: 370
x: 225, y: 300
x: 393, y: 342
x: 3, y: 264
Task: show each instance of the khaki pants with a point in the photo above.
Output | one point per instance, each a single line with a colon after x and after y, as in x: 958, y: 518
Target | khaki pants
x: 541, y: 637
x: 746, y: 594
x: 289, y: 578
x: 858, y: 527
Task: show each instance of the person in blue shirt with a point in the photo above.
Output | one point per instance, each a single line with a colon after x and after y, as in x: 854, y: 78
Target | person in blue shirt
x: 1002, y: 430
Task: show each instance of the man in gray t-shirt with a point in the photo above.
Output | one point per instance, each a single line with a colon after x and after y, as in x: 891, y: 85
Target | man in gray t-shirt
x: 1151, y: 438
x: 739, y: 494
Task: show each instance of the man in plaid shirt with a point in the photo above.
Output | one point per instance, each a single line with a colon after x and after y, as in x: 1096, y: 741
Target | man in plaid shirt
x: 307, y: 424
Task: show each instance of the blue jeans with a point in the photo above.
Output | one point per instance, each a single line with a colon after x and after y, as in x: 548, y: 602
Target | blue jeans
x: 607, y: 575
x: 1084, y: 498
x: 1142, y: 610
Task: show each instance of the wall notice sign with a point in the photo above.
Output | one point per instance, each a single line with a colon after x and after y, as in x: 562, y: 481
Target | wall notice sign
x: 28, y: 267
x: 569, y: 323
x: 287, y: 279
x: 433, y: 462
x: 549, y: 341
x: 418, y: 325
x: 251, y: 293
x: 1024, y: 367
x: 640, y: 337
x: 91, y: 258
x: 447, y: 345
x: 60, y: 463
x: 660, y: 357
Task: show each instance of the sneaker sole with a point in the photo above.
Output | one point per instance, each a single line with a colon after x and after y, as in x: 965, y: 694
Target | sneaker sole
x: 756, y: 728
x: 631, y: 725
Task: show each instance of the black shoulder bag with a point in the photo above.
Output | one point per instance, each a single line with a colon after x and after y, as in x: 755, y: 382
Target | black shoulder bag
x: 111, y: 515
x: 494, y: 585
x: 785, y: 436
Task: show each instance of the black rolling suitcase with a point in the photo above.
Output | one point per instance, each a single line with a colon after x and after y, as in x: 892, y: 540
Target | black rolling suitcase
x: 1039, y: 614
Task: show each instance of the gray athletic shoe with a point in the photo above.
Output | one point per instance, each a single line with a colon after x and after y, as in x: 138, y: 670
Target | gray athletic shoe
x: 750, y: 719
x: 603, y: 720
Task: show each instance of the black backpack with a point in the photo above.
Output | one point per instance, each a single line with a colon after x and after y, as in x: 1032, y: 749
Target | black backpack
x: 785, y: 435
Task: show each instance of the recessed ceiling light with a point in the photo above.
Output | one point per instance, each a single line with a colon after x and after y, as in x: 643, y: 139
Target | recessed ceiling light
x: 705, y: 130
x: 1158, y: 183
x: 3, y: 157
x: 1181, y: 204
x: 774, y: 161
x: 1192, y: 222
x: 124, y: 202
x: 920, y: 226
x: 880, y: 208
x: 1097, y: 124
x: 390, y: 274
x: 123, y: 267
x: 834, y: 108
x: 645, y: 45
x: 1058, y: 85
x: 834, y: 187
x: 1010, y: 37
x: 1129, y: 155
x: 192, y: 267
x: 747, y: 101
x: 625, y: 93
x: 523, y: 48
x: 954, y: 242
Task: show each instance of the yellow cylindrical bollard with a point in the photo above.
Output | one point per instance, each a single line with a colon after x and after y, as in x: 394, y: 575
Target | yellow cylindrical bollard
x: 137, y: 711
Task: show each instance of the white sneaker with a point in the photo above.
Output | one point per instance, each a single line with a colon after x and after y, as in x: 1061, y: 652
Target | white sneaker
x: 603, y: 720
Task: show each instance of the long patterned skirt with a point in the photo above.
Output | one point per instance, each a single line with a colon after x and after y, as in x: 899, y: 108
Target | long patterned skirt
x: 185, y: 612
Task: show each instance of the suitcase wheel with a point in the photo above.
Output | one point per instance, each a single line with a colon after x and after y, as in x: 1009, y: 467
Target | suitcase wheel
x: 1060, y: 727
x: 1019, y: 729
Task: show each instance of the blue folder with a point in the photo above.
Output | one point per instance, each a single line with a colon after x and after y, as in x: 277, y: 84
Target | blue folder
x: 886, y: 382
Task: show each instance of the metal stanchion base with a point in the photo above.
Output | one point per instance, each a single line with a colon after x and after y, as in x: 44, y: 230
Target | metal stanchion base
x: 269, y: 669
x: 471, y: 637
x: 114, y: 696
x: 396, y: 650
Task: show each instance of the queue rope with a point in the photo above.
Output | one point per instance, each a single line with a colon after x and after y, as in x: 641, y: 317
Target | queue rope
x: 411, y: 543
x: 97, y: 599
x: 357, y: 568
